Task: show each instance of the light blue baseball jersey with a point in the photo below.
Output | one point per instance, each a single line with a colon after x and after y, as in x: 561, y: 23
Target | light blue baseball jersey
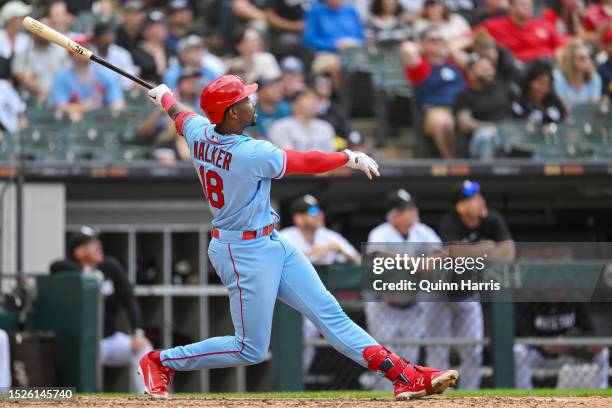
x: 236, y: 172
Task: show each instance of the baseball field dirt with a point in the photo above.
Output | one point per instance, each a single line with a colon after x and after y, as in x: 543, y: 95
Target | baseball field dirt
x: 437, y: 402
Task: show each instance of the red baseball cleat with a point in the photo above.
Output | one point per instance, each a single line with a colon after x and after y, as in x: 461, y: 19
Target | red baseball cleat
x: 155, y: 375
x: 418, y: 381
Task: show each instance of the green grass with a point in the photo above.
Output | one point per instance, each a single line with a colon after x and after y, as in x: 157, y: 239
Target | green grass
x: 540, y: 392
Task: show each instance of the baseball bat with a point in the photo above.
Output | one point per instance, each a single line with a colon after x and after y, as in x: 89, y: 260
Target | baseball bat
x: 49, y: 34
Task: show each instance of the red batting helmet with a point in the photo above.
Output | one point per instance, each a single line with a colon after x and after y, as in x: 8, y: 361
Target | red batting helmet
x: 222, y: 93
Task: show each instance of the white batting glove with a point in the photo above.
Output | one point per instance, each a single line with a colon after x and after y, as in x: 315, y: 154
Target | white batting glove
x: 363, y: 162
x: 156, y: 94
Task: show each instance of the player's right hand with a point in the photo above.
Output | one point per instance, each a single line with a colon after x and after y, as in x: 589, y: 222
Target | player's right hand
x: 156, y: 94
x: 363, y: 162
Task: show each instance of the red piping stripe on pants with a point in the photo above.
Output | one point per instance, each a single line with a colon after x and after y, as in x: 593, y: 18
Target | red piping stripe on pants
x: 241, y: 319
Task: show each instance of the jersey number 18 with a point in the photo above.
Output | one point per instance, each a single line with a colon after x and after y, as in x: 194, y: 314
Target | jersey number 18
x: 213, y: 187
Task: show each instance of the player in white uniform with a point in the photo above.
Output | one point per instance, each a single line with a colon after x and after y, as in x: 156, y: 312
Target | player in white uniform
x: 321, y: 245
x: 385, y: 318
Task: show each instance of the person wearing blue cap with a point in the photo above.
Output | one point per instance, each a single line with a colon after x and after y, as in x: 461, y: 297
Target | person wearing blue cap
x: 469, y: 222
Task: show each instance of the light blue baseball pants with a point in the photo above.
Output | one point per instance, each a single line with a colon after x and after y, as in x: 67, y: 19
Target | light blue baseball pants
x: 257, y: 272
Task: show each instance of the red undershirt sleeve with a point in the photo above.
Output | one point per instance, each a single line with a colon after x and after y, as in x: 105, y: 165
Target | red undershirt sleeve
x: 313, y: 162
x: 181, y: 119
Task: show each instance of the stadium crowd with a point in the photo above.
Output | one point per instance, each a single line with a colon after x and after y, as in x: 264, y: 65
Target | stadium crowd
x: 471, y: 64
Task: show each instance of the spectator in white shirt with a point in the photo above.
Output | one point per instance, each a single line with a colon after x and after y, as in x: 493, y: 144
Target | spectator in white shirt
x: 11, y: 36
x: 387, y: 319
x: 12, y: 109
x: 321, y: 245
x: 104, y: 45
x: 303, y: 131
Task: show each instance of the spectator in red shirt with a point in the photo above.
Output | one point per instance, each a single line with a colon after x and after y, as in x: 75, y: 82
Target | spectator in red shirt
x: 598, y: 16
x: 437, y: 80
x: 567, y: 17
x: 526, y: 37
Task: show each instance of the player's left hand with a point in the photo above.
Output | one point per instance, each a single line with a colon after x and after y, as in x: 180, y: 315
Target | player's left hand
x: 363, y: 162
x: 156, y: 94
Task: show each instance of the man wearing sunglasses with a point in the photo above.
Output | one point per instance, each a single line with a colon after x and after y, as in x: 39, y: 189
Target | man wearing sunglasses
x: 437, y: 79
x: 469, y: 222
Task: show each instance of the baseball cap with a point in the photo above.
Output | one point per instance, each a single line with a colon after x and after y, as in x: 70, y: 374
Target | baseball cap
x: 306, y: 204
x: 466, y: 189
x: 177, y: 5
x: 189, y: 73
x: 84, y: 236
x: 133, y: 5
x: 13, y: 9
x: 188, y: 43
x: 292, y: 64
x: 267, y: 80
x: 153, y: 17
x: 400, y: 200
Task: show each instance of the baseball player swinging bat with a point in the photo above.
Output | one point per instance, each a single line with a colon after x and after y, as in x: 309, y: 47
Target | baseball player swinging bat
x: 37, y: 28
x: 255, y: 263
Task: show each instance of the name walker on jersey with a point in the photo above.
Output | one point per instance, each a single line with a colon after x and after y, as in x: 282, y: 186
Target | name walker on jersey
x: 428, y: 286
x: 211, y: 154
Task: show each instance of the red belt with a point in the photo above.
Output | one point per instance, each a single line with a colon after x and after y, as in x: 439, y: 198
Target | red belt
x: 246, y: 235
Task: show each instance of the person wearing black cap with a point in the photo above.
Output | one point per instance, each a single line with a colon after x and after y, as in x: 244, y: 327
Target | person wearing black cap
x: 321, y: 245
x: 103, y: 44
x: 151, y: 54
x: 180, y: 20
x: 117, y: 349
x: 470, y: 221
x: 400, y: 318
